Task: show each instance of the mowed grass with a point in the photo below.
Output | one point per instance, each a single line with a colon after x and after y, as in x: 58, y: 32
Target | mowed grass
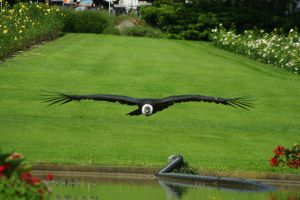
x: 208, y: 136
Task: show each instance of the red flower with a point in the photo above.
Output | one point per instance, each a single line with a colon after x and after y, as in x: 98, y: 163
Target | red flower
x: 34, y: 180
x: 280, y: 148
x: 274, y: 162
x: 50, y: 177
x: 25, y: 175
x: 41, y: 191
x: 2, y: 168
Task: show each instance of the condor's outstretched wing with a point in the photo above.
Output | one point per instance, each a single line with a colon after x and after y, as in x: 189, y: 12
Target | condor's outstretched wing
x: 242, y: 102
x: 57, y: 97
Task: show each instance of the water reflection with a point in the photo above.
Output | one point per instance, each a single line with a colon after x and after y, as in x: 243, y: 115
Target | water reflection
x: 174, y: 191
x: 97, y: 186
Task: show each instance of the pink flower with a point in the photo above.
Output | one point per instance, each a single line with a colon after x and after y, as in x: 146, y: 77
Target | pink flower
x: 15, y: 155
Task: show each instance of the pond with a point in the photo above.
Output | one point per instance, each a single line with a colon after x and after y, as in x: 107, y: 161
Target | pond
x: 83, y: 186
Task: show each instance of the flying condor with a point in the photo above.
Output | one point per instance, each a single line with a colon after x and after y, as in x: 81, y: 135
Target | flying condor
x: 146, y: 106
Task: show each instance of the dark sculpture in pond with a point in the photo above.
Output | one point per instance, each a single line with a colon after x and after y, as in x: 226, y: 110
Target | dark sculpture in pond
x: 146, y: 106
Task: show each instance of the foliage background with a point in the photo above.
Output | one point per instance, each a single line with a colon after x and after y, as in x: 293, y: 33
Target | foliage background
x: 191, y: 21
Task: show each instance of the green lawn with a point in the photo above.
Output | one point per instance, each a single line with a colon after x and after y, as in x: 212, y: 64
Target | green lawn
x: 208, y: 136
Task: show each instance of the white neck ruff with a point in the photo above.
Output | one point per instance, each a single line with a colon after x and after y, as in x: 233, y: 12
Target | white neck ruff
x: 151, y: 109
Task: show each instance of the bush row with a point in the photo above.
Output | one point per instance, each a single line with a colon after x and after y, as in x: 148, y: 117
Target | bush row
x: 273, y: 48
x: 25, y: 25
x: 193, y: 21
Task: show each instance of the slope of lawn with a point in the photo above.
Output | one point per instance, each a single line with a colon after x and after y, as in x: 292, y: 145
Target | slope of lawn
x: 208, y: 136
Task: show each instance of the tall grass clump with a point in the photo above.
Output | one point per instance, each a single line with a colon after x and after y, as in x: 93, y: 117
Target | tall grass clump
x: 279, y: 50
x: 143, y: 32
x: 25, y: 25
x: 141, y: 28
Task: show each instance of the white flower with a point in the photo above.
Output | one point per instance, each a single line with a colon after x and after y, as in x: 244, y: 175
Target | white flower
x: 291, y: 30
x: 250, y: 36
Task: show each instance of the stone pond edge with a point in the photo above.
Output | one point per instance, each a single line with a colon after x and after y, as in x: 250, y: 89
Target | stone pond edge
x: 153, y: 170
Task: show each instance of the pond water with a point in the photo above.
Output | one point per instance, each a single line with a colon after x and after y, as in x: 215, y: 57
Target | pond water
x: 109, y: 187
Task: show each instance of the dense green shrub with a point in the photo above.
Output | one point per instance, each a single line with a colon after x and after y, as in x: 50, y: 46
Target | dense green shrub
x: 179, y: 21
x: 69, y: 25
x: 201, y: 29
x: 193, y: 21
x: 184, y: 168
x: 89, y: 22
x: 84, y: 22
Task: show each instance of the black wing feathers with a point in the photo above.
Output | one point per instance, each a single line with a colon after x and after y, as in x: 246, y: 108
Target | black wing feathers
x: 242, y: 102
x: 57, y: 97
x: 135, y: 112
x: 159, y: 104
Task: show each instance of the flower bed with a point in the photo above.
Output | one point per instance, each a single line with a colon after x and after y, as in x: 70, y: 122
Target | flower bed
x: 26, y: 25
x: 16, y: 181
x: 278, y: 50
x: 286, y: 157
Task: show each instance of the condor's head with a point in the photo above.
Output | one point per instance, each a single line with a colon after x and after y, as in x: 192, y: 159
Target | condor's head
x: 147, y: 109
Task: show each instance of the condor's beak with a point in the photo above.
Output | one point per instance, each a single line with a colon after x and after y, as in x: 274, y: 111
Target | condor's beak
x: 147, y: 110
